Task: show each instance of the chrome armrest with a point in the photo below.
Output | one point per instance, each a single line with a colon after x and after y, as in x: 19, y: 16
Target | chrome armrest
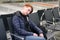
x: 17, y: 36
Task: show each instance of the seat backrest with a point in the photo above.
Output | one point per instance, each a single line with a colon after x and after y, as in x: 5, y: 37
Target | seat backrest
x: 35, y: 18
x: 40, y: 12
x: 10, y: 23
x: 9, y: 17
x: 56, y: 12
x: 13, y: 35
x: 48, y: 15
x: 2, y: 30
x: 5, y: 21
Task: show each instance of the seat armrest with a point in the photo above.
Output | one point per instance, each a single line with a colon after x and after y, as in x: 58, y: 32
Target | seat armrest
x: 17, y: 36
x: 49, y: 22
x: 57, y: 19
x: 50, y: 35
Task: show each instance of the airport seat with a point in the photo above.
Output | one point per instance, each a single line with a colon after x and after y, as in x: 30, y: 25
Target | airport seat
x: 11, y: 29
x: 2, y: 30
x: 56, y: 13
x: 7, y: 23
x: 35, y: 18
x: 50, y: 24
x: 52, y: 18
x: 49, y: 16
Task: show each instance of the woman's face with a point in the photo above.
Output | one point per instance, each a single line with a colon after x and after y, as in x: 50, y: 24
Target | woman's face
x: 26, y: 10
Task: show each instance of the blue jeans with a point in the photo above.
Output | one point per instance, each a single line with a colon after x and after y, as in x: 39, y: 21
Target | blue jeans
x: 34, y: 38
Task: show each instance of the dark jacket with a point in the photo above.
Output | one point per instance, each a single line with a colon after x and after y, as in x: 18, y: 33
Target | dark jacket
x: 18, y: 22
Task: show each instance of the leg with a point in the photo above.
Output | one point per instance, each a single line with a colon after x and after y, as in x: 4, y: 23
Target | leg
x: 34, y: 38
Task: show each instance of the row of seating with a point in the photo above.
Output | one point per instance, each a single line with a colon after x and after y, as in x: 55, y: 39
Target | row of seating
x: 41, y: 15
x: 50, y: 20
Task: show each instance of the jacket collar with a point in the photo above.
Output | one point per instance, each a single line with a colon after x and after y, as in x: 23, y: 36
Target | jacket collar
x: 19, y: 14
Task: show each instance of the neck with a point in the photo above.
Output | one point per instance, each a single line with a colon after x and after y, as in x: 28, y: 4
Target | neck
x: 22, y: 11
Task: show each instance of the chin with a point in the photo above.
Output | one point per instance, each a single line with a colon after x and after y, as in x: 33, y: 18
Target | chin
x: 25, y: 14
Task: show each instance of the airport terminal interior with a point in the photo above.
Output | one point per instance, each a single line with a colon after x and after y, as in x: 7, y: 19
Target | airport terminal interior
x: 46, y: 13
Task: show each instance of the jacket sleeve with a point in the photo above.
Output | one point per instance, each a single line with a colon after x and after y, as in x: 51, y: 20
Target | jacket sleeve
x: 34, y: 26
x: 17, y: 28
